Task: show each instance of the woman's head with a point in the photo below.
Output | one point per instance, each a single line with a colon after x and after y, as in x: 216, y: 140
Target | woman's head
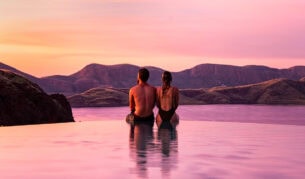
x: 167, y: 77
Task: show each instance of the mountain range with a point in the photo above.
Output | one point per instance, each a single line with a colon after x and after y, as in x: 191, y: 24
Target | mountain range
x: 124, y: 76
x: 275, y: 91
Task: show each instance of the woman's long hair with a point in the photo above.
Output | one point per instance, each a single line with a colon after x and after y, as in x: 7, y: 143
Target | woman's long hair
x: 166, y: 80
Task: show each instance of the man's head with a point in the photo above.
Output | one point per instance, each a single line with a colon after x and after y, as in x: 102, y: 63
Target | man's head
x: 143, y: 74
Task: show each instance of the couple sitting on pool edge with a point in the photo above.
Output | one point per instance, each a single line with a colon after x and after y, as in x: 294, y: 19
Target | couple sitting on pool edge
x: 143, y: 97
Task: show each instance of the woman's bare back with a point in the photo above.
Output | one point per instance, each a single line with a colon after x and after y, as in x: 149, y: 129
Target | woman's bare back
x: 167, y: 99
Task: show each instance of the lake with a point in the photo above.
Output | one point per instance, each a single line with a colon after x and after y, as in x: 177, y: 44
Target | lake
x: 211, y: 141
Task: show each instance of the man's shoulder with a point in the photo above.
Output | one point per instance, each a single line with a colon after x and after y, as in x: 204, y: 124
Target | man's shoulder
x: 146, y: 86
x: 150, y: 86
x: 133, y: 88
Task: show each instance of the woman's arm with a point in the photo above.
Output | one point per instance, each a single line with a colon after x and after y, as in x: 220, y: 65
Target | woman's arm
x: 158, y: 98
x: 175, y: 98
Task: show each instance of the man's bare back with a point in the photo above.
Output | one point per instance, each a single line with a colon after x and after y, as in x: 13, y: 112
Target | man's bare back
x: 142, y: 99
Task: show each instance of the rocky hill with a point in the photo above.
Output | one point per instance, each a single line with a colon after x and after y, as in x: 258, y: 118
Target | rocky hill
x: 24, y: 102
x: 27, y: 76
x: 276, y: 91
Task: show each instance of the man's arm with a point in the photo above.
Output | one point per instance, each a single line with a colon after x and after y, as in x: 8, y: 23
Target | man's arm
x: 157, y: 100
x: 132, y: 104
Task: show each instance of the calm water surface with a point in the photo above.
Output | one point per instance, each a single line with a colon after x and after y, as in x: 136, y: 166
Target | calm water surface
x: 102, y: 145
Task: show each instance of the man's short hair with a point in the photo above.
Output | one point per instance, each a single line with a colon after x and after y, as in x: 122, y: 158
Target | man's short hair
x: 143, y: 74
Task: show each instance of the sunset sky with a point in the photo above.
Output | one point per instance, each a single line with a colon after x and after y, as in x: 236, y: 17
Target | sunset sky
x: 43, y: 37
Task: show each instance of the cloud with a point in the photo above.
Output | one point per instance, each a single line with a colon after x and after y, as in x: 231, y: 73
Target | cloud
x: 135, y: 29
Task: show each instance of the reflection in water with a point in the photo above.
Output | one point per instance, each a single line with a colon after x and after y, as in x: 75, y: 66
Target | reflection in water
x: 141, y: 144
x: 169, y: 149
x: 146, y: 146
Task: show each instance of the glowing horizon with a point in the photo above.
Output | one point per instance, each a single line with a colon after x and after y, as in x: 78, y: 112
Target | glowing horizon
x: 61, y: 37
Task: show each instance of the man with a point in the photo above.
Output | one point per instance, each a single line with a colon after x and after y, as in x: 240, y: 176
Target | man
x: 142, y: 98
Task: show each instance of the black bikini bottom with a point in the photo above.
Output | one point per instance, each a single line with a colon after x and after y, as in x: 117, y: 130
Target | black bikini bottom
x: 166, y: 117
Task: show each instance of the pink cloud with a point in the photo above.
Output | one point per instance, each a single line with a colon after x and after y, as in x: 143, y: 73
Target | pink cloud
x: 118, y: 30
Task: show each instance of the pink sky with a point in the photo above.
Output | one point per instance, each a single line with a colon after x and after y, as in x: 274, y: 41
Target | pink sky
x: 62, y: 36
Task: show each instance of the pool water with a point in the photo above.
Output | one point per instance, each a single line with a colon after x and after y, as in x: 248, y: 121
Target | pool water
x: 108, y: 148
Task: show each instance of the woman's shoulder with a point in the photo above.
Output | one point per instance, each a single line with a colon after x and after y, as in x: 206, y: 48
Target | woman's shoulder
x: 175, y: 89
x: 159, y: 88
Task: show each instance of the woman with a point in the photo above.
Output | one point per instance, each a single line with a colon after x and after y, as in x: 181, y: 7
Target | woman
x: 167, y: 103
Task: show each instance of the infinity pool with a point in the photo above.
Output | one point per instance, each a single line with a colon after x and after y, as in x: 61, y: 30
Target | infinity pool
x: 110, y: 149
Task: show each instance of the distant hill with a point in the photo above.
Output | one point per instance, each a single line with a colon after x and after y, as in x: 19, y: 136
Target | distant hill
x: 91, y: 76
x: 95, y: 75
x: 211, y: 75
x: 124, y: 76
x: 100, y: 97
x: 276, y: 91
